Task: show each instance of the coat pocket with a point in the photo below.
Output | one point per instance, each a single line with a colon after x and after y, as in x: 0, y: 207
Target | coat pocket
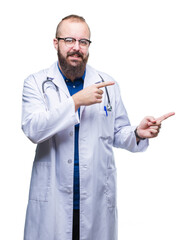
x: 111, y: 188
x: 106, y: 125
x: 40, y: 181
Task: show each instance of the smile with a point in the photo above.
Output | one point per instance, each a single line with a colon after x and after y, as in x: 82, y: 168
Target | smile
x: 75, y: 55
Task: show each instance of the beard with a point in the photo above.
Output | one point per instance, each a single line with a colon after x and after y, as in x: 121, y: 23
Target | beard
x: 72, y: 71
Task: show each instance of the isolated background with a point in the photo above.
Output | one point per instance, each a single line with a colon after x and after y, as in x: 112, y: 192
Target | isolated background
x: 149, y: 48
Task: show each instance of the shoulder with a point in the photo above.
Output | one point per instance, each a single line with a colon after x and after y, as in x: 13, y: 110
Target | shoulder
x: 41, y: 75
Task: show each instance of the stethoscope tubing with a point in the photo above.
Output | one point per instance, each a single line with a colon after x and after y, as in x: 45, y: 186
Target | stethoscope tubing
x: 50, y: 80
x: 109, y: 106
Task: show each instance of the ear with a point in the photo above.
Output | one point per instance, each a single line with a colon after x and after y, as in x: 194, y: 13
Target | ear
x: 55, y: 43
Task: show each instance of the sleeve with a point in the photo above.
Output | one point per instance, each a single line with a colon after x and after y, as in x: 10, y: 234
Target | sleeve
x: 40, y: 124
x: 124, y: 136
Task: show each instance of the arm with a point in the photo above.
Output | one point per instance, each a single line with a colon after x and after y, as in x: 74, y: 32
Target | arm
x: 39, y: 124
x: 130, y: 137
x: 124, y: 136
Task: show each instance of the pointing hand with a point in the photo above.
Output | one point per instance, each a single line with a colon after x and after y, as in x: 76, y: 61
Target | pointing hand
x: 90, y: 95
x: 150, y: 127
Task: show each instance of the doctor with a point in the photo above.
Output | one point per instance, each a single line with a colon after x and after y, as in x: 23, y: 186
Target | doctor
x: 75, y: 122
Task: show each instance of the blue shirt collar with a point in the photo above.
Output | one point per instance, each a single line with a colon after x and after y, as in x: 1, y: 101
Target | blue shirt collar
x: 65, y: 78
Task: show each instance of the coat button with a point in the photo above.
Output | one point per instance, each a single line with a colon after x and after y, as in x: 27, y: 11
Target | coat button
x: 69, y: 161
x: 71, y: 134
x: 69, y: 190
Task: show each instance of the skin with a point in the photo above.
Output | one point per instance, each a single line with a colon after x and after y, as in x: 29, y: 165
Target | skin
x: 149, y: 126
x: 77, y: 30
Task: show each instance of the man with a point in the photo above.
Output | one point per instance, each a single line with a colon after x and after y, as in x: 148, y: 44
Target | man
x: 75, y: 115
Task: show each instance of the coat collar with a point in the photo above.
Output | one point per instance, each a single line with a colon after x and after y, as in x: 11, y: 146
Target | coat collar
x: 91, y: 77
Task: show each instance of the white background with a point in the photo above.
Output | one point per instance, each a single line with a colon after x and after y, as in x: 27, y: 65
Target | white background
x: 149, y: 47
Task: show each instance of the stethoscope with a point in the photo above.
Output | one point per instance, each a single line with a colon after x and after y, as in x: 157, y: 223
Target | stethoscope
x: 109, y: 106
x: 50, y: 80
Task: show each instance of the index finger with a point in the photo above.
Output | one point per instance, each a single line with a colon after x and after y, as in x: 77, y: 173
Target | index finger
x: 165, y: 116
x: 105, y: 84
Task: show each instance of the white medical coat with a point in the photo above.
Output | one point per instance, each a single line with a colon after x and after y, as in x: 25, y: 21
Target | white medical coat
x: 50, y: 124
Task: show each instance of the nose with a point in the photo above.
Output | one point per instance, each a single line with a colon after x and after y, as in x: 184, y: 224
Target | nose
x: 76, y: 46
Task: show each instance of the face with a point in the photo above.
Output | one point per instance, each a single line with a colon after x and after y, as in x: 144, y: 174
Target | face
x: 72, y: 60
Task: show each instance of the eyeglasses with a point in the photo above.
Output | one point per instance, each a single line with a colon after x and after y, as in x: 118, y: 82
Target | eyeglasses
x: 70, y: 42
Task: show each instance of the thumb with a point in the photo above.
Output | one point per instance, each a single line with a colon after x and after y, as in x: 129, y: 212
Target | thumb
x: 150, y: 120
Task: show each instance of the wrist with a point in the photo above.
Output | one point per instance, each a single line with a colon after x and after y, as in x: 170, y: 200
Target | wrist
x: 76, y: 101
x: 137, y: 136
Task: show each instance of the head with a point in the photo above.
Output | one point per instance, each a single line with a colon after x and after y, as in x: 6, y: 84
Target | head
x: 72, y: 58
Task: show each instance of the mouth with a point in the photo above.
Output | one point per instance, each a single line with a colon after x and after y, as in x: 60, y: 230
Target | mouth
x: 75, y: 55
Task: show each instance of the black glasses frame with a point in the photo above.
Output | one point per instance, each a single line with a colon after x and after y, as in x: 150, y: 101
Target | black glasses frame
x: 64, y: 39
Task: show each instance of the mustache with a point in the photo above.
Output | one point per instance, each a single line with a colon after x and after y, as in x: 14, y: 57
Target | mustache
x: 75, y: 53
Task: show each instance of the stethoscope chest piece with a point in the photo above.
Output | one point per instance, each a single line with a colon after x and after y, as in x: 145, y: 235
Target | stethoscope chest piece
x: 109, y: 106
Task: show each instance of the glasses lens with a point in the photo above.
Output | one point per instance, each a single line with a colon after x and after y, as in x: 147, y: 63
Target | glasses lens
x: 69, y: 42
x: 84, y: 43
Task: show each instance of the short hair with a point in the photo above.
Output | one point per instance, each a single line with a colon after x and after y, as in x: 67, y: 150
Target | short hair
x: 74, y: 18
